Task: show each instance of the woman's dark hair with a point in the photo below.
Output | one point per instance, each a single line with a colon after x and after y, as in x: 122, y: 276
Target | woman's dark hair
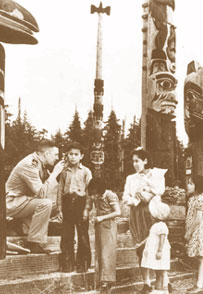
x: 97, y: 184
x: 198, y: 181
x: 143, y: 154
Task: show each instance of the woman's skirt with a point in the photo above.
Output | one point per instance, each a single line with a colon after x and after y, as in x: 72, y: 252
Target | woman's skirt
x: 140, y: 223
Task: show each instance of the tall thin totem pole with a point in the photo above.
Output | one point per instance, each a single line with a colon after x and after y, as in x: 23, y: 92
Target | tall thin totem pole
x: 97, y: 154
x: 158, y: 130
x: 16, y: 27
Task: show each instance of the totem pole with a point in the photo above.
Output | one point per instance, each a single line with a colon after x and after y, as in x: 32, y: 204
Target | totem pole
x: 193, y: 113
x: 16, y: 27
x: 158, y: 130
x: 97, y: 154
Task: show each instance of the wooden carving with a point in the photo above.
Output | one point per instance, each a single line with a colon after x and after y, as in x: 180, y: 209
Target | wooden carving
x: 193, y: 113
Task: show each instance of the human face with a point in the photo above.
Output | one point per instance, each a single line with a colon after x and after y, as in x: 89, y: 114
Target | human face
x: 191, y: 187
x: 74, y: 156
x: 139, y: 164
x: 51, y: 155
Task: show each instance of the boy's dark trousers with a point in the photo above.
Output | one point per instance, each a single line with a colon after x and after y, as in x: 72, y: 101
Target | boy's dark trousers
x: 72, y: 208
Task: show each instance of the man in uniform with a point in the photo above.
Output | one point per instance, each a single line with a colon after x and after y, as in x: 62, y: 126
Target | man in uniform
x: 26, y: 193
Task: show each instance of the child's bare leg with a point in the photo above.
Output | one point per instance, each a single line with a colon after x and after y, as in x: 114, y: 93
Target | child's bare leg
x: 200, y: 273
x: 146, y: 276
x: 165, y: 280
x: 159, y: 280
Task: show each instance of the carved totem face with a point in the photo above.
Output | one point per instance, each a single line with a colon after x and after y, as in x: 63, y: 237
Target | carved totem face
x: 161, y: 64
x: 161, y: 89
x: 193, y: 101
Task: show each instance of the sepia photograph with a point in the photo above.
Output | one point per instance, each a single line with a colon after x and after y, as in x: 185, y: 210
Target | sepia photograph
x: 101, y: 147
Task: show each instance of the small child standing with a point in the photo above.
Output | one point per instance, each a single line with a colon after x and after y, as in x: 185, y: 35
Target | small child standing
x: 71, y: 201
x: 107, y: 208
x: 194, y: 229
x: 156, y: 254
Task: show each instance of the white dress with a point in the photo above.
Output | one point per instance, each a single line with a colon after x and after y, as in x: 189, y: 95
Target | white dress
x: 149, y: 254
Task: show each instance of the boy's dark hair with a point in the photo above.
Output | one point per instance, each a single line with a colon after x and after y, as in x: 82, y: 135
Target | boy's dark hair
x: 97, y: 184
x: 44, y: 145
x: 75, y: 145
x: 143, y: 154
x: 198, y: 181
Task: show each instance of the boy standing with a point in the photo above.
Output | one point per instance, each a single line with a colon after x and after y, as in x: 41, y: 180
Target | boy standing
x: 71, y: 200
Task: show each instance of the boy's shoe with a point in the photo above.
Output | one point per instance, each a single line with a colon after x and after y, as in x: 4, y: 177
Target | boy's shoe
x: 146, y: 289
x: 81, y: 269
x: 67, y: 268
x: 65, y: 264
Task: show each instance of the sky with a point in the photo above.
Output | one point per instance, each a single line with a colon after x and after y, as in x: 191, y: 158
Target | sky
x: 56, y: 76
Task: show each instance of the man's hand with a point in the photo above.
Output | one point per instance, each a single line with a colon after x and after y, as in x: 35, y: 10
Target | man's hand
x: 58, y: 168
x: 85, y: 214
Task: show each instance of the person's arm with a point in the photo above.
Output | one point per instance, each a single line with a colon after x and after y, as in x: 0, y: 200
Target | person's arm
x: 88, y: 207
x: 30, y: 175
x: 60, y: 191
x: 162, y: 238
x: 146, y: 196
x: 89, y: 200
x: 195, y: 223
x: 116, y: 212
x: 127, y: 197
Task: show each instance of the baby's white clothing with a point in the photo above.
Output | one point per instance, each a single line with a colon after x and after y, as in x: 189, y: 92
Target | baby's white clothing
x: 150, y: 184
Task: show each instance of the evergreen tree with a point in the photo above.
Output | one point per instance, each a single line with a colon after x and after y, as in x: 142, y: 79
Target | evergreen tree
x: 88, y: 138
x: 42, y: 134
x: 74, y: 132
x: 132, y: 141
x: 59, y: 141
x: 21, y: 138
x: 112, y: 160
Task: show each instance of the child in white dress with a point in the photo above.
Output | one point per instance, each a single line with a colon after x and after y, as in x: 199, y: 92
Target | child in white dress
x: 156, y: 254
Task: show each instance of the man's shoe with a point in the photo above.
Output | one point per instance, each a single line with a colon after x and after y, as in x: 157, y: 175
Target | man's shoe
x: 37, y: 248
x: 146, y: 289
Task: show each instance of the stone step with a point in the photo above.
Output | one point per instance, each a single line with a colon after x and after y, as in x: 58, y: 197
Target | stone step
x: 18, y: 265
x: 57, y: 282
x: 129, y: 282
x: 13, y: 266
x: 123, y: 240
